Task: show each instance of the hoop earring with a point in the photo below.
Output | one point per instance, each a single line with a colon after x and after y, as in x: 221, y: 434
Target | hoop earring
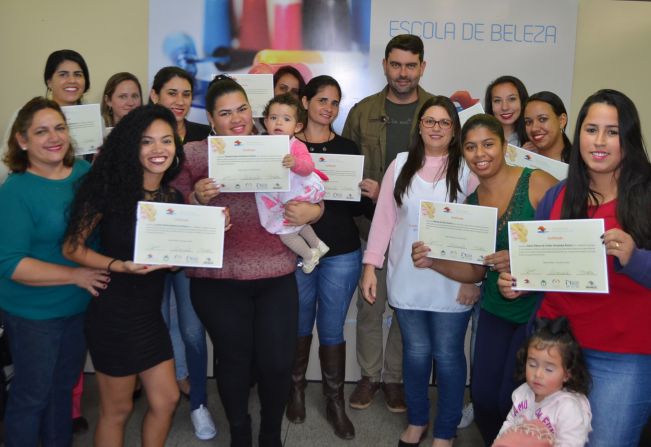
x: 177, y: 162
x: 212, y: 131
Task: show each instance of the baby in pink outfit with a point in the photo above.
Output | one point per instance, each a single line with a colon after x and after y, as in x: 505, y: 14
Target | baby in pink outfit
x: 281, y: 117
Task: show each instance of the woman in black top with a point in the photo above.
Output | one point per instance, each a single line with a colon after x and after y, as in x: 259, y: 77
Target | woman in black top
x: 325, y: 294
x: 125, y: 331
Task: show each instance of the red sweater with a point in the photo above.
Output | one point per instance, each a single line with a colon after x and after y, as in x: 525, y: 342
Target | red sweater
x: 250, y: 252
x: 619, y: 321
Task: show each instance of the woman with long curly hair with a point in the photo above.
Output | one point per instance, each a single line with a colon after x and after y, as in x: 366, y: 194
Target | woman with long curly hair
x: 125, y: 331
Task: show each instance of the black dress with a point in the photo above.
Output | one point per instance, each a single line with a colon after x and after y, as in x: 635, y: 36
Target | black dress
x: 125, y: 330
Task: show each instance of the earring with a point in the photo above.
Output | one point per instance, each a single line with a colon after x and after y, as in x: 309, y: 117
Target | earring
x: 110, y: 111
x: 212, y: 131
x: 176, y: 163
x: 24, y: 148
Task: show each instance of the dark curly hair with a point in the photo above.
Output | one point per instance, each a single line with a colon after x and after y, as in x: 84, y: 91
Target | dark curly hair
x: 114, y: 185
x: 557, y: 333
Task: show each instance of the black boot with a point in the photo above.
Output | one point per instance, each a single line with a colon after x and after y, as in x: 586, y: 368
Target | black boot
x: 241, y: 435
x: 333, y: 369
x: 296, y: 403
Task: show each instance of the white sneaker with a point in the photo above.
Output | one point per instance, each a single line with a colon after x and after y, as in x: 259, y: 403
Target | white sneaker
x: 467, y: 416
x: 204, y: 427
x: 309, y: 264
x: 323, y: 249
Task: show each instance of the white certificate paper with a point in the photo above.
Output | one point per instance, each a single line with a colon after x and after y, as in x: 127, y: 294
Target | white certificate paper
x: 475, y: 109
x: 457, y: 232
x: 516, y: 156
x: 344, y: 175
x: 179, y: 235
x: 249, y: 163
x: 259, y: 89
x: 558, y: 255
x: 85, y: 125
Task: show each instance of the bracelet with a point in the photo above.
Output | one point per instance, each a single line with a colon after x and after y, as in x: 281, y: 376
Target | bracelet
x: 108, y: 267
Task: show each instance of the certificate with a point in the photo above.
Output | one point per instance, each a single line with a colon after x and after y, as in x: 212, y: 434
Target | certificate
x: 344, y: 175
x: 457, y: 232
x: 558, y: 255
x: 85, y: 126
x: 516, y: 156
x: 470, y: 111
x: 179, y: 235
x: 249, y: 163
x: 259, y: 89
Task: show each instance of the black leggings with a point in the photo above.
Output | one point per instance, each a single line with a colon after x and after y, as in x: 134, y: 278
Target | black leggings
x: 255, y: 323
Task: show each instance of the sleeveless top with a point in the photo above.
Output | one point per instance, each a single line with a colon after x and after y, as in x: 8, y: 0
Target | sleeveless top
x: 410, y: 287
x: 519, y: 208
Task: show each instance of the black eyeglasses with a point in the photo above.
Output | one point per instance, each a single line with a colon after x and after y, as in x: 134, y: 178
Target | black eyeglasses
x: 431, y: 122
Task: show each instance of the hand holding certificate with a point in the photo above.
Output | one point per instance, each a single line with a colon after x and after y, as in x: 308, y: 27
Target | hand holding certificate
x: 179, y: 235
x: 456, y: 232
x: 344, y: 175
x: 249, y: 163
x: 558, y: 255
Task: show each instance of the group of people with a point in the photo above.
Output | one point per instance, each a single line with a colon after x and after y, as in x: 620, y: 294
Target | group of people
x: 68, y: 279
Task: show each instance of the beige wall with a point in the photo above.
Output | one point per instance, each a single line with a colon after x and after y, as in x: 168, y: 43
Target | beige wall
x: 613, y: 47
x: 111, y: 35
x: 613, y: 50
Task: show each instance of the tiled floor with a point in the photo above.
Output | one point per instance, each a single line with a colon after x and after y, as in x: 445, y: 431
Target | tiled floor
x: 375, y: 426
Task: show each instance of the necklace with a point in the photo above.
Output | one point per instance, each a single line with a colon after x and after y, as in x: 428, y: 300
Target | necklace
x: 310, y: 145
x: 152, y: 196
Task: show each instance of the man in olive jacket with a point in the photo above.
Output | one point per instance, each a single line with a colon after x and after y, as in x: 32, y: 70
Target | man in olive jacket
x: 381, y: 125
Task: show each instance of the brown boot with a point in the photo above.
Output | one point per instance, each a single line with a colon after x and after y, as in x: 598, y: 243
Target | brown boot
x: 296, y: 403
x: 333, y: 369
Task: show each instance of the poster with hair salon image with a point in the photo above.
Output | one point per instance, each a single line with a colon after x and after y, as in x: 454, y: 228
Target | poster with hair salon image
x: 468, y: 43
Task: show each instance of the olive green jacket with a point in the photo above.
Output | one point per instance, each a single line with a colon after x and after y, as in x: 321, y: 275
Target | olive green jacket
x: 366, y: 125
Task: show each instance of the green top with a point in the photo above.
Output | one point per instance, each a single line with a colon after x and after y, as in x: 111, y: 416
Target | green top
x: 520, y: 208
x: 32, y: 225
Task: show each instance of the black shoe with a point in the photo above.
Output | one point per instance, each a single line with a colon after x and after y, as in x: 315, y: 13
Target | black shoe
x: 79, y: 425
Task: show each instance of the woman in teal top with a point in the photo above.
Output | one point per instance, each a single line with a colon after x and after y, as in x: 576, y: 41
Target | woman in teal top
x: 43, y: 295
x: 515, y: 192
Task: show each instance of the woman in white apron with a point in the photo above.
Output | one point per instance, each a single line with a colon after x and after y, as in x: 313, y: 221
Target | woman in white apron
x: 433, y: 311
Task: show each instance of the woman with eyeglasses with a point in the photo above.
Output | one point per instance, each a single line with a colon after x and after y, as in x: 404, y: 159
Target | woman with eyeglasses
x: 515, y: 192
x: 433, y: 311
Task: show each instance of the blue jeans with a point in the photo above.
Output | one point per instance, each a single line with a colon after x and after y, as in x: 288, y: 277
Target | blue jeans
x: 191, y: 332
x: 48, y: 357
x: 437, y: 335
x: 324, y: 295
x: 620, y: 397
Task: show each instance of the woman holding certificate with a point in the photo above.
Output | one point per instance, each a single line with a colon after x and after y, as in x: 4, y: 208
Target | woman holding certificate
x: 515, y: 192
x: 125, y: 331
x: 433, y: 311
x: 609, y: 178
x: 173, y: 88
x: 250, y: 306
x: 43, y: 295
x: 325, y: 294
